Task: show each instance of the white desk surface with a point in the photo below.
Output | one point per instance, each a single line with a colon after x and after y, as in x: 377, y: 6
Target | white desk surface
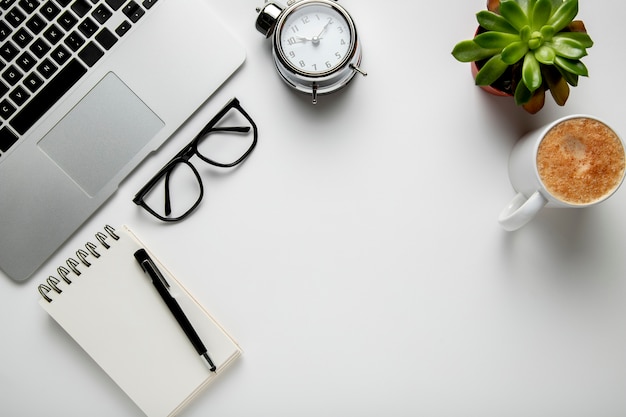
x: 356, y: 255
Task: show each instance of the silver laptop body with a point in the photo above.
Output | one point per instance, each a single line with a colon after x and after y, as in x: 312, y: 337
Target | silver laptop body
x: 126, y: 105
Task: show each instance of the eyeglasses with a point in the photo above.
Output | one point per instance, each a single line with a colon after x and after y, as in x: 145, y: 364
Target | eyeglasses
x: 176, y: 190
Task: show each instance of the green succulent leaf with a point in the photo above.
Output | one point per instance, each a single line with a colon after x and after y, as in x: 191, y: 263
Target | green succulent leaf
x: 529, y: 6
x: 514, y: 52
x: 491, y: 71
x: 495, y: 22
x: 562, y: 16
x: 581, y: 37
x: 568, y: 48
x: 556, y: 4
x: 511, y: 11
x: 469, y: 51
x: 536, y: 102
x: 531, y: 72
x: 536, y: 40
x: 547, y: 32
x: 541, y: 13
x: 556, y: 84
x: 545, y: 55
x: 495, y: 40
x: 522, y: 94
x: 525, y: 33
x: 572, y: 79
x: 574, y: 66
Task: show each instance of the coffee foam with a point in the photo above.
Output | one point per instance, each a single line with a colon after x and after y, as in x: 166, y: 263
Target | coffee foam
x: 581, y: 161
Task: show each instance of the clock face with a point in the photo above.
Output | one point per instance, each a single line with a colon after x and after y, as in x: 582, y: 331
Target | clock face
x: 315, y: 38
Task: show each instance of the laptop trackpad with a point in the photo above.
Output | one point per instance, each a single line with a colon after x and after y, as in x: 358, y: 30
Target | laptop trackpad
x: 101, y: 134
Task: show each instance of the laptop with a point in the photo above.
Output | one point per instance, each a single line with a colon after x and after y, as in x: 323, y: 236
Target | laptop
x: 88, y: 89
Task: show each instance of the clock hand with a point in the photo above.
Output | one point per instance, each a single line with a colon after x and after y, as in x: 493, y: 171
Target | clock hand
x: 303, y: 39
x: 314, y: 39
x: 323, y: 29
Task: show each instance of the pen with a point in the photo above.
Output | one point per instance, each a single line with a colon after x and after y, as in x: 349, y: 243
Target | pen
x: 159, y: 282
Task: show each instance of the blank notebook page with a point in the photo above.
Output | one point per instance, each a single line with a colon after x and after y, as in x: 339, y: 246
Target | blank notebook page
x: 115, y: 314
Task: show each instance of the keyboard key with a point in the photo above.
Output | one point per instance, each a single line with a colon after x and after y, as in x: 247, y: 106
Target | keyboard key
x: 60, y: 55
x: 33, y: 82
x: 47, y: 68
x: 7, y: 139
x: 12, y: 75
x: 5, y: 4
x: 36, y: 24
x: 74, y: 41
x: 53, y: 34
x: 148, y: 3
x: 64, y: 3
x: 39, y: 48
x: 67, y: 20
x: 133, y: 11
x: 88, y: 27
x: 15, y: 17
x: 9, y: 51
x: 101, y: 14
x: 29, y: 6
x: 106, y: 38
x: 115, y: 4
x: 81, y: 7
x: 123, y: 28
x: 26, y: 61
x: 90, y: 54
x: 19, y: 95
x: 22, y: 38
x: 48, y: 95
x: 50, y: 10
x: 5, y: 30
x: 3, y: 89
x: 6, y: 109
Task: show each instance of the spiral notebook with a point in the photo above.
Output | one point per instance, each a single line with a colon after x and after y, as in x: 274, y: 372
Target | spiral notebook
x: 108, y: 305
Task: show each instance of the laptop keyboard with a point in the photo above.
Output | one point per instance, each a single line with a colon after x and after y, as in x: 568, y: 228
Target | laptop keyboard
x: 47, y: 46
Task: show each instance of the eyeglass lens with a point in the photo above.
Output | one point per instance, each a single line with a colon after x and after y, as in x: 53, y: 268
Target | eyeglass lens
x: 227, y: 141
x: 176, y: 192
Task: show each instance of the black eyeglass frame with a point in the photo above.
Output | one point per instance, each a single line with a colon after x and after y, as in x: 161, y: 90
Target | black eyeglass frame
x: 190, y: 150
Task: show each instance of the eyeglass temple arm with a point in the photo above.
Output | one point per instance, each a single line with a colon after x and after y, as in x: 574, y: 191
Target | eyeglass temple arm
x: 240, y: 129
x: 168, y: 203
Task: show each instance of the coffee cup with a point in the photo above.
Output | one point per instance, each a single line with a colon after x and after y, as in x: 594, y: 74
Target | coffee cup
x: 576, y: 161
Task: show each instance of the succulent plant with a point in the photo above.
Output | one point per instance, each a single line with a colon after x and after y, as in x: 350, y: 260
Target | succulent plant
x: 531, y: 45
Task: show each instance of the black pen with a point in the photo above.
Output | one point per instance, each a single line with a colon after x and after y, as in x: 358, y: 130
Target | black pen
x: 159, y: 282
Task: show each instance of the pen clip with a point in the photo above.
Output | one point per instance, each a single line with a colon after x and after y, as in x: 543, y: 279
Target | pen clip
x: 147, y: 264
x: 160, y: 276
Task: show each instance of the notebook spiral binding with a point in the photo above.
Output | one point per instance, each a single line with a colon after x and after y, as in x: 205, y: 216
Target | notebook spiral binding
x: 71, y: 264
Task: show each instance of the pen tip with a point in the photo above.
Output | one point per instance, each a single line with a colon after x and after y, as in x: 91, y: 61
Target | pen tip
x: 211, y: 364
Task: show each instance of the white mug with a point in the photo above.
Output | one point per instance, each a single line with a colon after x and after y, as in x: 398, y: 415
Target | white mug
x: 534, y: 191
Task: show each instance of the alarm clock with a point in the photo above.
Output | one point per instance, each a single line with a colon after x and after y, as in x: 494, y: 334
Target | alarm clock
x: 315, y: 45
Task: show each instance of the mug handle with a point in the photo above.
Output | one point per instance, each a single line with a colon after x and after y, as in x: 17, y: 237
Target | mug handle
x: 521, y: 210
